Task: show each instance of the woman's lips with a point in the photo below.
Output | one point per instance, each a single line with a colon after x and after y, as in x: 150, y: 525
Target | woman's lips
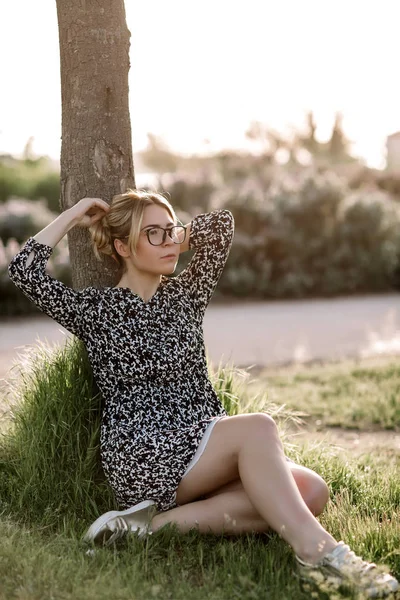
x: 169, y: 256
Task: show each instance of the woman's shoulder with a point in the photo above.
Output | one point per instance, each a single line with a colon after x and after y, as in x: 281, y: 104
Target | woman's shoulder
x: 97, y: 300
x: 94, y: 293
x: 106, y: 293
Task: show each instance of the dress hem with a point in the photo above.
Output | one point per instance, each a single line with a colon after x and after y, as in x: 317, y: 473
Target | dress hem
x: 202, y: 446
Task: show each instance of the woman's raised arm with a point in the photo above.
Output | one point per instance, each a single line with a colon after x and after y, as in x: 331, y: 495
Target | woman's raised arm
x: 84, y: 214
x: 28, y: 268
x: 210, y: 235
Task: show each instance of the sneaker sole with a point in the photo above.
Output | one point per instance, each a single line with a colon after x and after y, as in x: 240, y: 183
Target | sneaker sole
x: 96, y: 528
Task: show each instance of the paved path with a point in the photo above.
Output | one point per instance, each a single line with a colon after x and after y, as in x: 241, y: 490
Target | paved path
x: 263, y: 333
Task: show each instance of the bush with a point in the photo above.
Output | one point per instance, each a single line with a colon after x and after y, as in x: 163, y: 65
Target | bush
x: 20, y: 218
x: 32, y: 179
x: 304, y: 234
x: 188, y: 193
x: 316, y: 239
x: 389, y: 182
x: 48, y: 188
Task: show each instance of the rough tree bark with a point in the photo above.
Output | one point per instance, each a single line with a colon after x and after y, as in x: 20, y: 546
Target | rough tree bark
x: 96, y: 150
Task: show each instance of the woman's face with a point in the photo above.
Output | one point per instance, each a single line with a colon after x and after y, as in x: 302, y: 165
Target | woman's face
x: 158, y: 260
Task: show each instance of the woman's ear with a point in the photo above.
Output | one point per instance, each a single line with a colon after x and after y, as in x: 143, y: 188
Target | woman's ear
x: 121, y: 248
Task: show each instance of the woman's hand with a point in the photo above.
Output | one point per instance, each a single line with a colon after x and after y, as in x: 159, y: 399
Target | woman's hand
x: 88, y: 211
x: 85, y: 213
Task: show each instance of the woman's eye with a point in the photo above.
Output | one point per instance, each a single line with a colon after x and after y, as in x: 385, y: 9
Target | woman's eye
x: 152, y: 232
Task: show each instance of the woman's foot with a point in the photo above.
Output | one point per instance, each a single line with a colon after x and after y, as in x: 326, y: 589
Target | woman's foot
x: 342, y: 568
x: 115, y: 524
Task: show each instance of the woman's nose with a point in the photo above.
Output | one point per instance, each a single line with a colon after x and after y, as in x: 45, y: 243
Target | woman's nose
x: 168, y: 239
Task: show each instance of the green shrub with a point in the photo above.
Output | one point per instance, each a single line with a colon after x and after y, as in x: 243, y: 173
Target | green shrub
x: 21, y: 218
x: 301, y: 235
x: 15, y: 180
x: 316, y: 239
x: 188, y: 193
x: 7, y: 184
x: 32, y: 179
x: 389, y: 182
x: 48, y: 188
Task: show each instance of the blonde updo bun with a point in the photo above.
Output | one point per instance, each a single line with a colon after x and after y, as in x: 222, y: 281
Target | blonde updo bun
x: 101, y: 238
x: 124, y: 221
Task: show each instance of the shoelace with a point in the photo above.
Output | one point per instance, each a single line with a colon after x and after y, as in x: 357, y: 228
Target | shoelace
x: 119, y: 528
x: 347, y: 558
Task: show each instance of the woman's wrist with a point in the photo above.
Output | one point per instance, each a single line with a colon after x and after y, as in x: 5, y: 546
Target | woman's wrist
x: 57, y: 229
x: 70, y: 217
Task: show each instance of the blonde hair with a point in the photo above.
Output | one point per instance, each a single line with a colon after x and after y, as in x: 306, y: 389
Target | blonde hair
x: 124, y: 221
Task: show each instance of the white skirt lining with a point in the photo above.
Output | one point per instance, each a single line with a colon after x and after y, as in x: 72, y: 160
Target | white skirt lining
x: 202, y: 446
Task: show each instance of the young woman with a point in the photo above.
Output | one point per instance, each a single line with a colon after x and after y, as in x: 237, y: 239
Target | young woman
x: 166, y: 442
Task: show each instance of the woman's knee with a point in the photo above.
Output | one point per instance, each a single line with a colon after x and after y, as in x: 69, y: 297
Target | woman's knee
x: 319, y: 496
x: 261, y: 425
x: 312, y: 487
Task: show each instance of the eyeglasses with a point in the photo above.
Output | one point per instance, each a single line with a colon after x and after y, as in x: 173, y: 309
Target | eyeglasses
x: 158, y: 235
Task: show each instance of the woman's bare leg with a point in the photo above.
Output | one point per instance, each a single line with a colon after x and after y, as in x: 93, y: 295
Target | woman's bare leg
x: 228, y: 513
x: 311, y: 486
x: 248, y: 447
x: 228, y: 510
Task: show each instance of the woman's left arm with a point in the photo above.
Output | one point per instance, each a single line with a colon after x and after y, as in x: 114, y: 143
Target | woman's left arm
x: 210, y: 235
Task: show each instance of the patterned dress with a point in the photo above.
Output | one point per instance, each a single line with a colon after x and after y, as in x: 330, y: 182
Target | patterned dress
x: 148, y: 360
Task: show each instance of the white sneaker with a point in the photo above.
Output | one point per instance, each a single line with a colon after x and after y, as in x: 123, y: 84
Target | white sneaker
x: 115, y: 524
x: 342, y: 567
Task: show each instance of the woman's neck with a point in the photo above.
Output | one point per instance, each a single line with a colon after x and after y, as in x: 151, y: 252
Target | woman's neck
x: 144, y: 285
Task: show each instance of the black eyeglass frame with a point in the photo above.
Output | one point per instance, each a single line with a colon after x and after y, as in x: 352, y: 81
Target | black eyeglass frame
x: 165, y: 230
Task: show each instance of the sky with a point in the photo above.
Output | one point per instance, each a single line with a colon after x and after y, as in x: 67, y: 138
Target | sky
x: 201, y: 72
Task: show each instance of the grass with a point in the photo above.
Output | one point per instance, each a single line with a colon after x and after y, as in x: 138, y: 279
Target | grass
x: 348, y: 394
x: 51, y: 488
x: 49, y: 458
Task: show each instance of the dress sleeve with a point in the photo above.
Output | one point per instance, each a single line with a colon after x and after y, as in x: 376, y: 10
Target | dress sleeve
x: 57, y: 300
x: 211, y: 236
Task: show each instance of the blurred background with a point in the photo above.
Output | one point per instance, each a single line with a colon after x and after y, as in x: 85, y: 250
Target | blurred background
x: 286, y: 113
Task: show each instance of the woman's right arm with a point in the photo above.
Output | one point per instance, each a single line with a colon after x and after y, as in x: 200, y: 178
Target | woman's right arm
x: 28, y: 268
x: 84, y: 214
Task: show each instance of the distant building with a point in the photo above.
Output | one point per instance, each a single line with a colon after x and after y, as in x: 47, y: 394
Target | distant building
x: 393, y: 153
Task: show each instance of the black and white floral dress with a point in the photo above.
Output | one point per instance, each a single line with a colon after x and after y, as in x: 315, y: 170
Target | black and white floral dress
x: 148, y: 359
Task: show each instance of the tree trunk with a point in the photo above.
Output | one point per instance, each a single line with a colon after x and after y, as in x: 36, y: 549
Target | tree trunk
x: 96, y: 150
